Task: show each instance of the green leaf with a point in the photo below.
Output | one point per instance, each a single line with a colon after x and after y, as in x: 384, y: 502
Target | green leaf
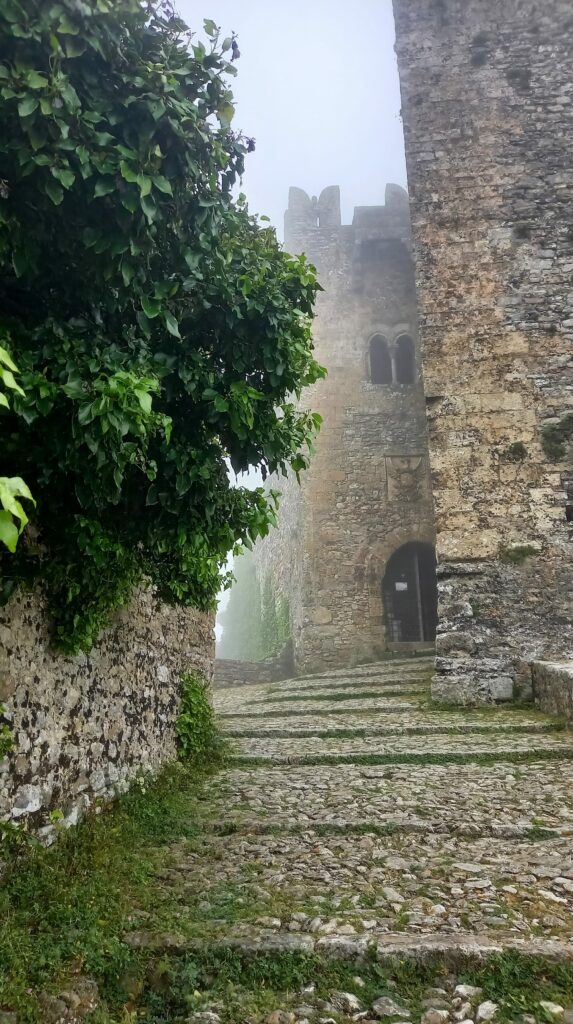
x: 149, y: 208
x: 163, y: 184
x: 104, y: 187
x: 19, y: 488
x: 7, y: 360
x: 8, y: 532
x: 65, y: 175
x: 74, y: 47
x: 172, y: 325
x: 127, y: 172
x: 144, y: 399
x: 54, y: 191
x: 210, y: 27
x: 28, y: 105
x: 36, y: 81
x: 4, y: 403
x: 127, y: 271
x: 151, y: 307
x: 9, y: 380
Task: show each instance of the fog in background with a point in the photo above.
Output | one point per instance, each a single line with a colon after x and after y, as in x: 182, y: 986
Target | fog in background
x: 317, y: 88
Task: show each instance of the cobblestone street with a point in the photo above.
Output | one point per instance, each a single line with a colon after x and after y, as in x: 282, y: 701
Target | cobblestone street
x: 396, y: 829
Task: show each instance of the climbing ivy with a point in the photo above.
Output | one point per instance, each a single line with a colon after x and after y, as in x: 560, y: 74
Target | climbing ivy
x: 275, y: 619
x: 256, y: 621
x: 13, y: 517
x: 198, y: 738
x: 6, y: 740
x: 161, y: 331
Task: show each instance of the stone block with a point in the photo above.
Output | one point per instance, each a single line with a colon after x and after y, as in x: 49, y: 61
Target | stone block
x: 553, y: 687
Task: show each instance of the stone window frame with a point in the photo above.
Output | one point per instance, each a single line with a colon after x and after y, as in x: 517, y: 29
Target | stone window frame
x: 392, y: 336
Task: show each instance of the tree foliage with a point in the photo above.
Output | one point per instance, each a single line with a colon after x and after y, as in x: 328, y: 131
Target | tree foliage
x: 160, y: 331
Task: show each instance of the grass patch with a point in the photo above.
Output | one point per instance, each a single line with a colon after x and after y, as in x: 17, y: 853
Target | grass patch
x: 489, y: 758
x: 67, y: 907
x: 249, y: 986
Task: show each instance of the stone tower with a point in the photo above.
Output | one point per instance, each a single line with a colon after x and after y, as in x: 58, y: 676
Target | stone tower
x: 487, y: 99
x: 354, y: 552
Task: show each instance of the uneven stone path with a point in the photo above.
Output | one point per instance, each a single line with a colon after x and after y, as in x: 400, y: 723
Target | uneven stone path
x: 355, y: 818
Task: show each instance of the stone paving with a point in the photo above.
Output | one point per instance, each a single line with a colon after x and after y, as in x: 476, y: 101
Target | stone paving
x: 408, y: 857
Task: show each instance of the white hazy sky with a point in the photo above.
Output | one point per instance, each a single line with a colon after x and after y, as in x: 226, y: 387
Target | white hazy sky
x: 317, y: 87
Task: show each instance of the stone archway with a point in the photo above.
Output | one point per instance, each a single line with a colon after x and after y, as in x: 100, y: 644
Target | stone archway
x: 409, y: 594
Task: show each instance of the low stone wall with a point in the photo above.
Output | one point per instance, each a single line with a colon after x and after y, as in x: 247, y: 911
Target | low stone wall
x: 241, y: 673
x: 553, y: 687
x: 84, y: 727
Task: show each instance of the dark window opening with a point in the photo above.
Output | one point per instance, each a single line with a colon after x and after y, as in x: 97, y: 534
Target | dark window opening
x: 380, y: 361
x: 410, y: 595
x: 405, y: 360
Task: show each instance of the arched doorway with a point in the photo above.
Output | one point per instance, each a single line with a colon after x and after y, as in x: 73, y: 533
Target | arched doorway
x: 410, y: 594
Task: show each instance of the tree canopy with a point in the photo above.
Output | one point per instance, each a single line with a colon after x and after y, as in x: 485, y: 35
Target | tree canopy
x: 160, y: 331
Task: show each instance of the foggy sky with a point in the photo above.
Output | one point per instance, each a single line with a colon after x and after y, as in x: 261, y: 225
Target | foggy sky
x: 317, y: 87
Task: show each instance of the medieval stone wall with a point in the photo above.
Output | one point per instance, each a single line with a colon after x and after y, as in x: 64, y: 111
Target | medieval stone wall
x: 487, y: 97
x: 367, y: 491
x: 84, y: 727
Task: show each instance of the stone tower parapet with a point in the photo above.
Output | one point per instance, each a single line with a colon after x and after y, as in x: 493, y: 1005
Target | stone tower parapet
x: 367, y: 493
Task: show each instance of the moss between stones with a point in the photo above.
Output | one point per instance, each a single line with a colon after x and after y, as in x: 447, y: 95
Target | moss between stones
x: 555, y: 437
x: 517, y: 554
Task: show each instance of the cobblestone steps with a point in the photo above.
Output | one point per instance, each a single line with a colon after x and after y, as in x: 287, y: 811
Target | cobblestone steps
x: 449, y: 846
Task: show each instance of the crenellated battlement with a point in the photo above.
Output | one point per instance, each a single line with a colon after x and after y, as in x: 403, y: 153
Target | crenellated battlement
x: 308, y: 217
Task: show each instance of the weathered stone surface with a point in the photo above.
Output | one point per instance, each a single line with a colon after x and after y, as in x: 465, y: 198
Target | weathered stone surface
x: 84, y: 727
x: 486, y: 100
x: 368, y: 488
x: 553, y: 687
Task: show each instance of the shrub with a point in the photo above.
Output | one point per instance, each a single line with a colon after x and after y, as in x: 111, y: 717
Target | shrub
x: 160, y: 330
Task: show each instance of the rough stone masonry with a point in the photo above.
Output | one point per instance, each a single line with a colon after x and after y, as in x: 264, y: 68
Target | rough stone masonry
x: 354, y: 551
x: 84, y: 727
x: 487, y: 91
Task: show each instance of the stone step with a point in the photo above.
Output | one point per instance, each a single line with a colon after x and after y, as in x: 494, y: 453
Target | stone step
x: 293, y: 750
x: 375, y: 667
x: 457, y: 950
x: 369, y: 886
x: 355, y: 682
x: 343, y: 695
x: 438, y: 797
x: 346, y: 686
x: 389, y: 708
x: 281, y: 728
x: 409, y: 698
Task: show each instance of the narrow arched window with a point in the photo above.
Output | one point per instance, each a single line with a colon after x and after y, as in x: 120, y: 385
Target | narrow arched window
x: 405, y: 360
x: 380, y: 361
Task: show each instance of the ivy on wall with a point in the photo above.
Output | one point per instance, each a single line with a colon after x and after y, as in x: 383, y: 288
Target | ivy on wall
x: 160, y: 330
x: 256, y: 621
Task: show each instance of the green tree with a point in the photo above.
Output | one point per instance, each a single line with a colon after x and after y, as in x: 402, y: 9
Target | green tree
x: 160, y: 331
